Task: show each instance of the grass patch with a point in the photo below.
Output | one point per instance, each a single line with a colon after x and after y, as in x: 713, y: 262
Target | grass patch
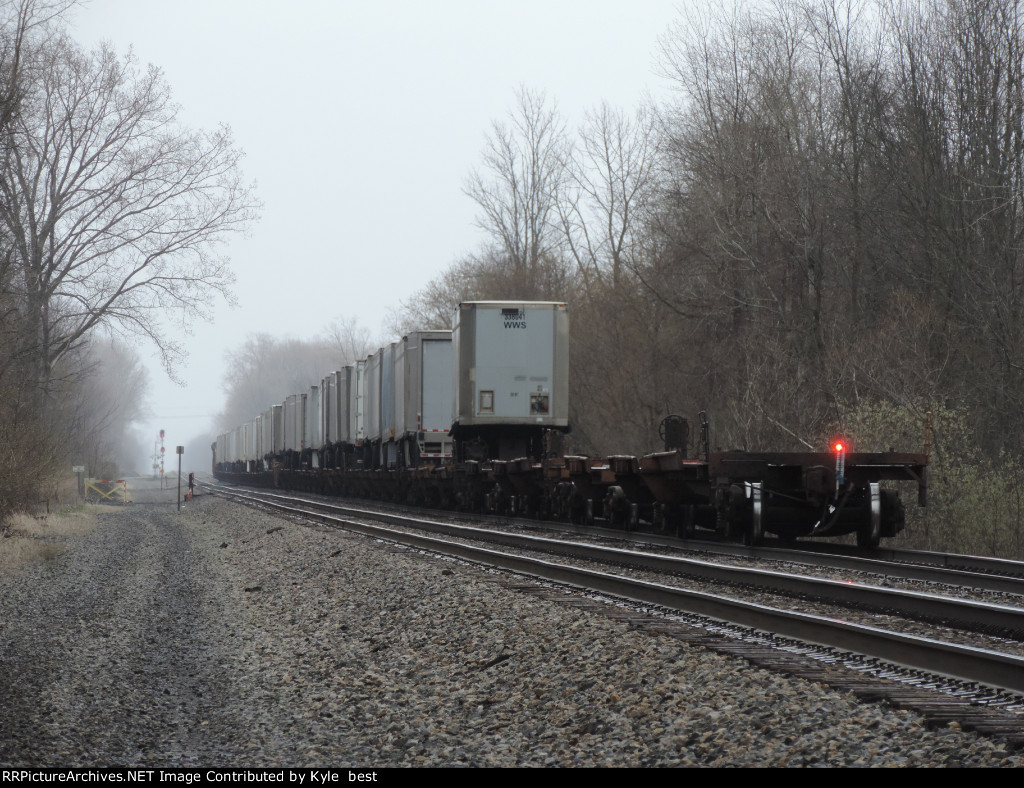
x: 18, y: 552
x: 26, y: 540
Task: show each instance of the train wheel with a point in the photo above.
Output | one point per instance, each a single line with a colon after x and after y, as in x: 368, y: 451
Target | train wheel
x: 753, y: 534
x: 634, y: 517
x: 578, y: 510
x: 616, y: 507
x: 687, y: 521
x: 730, y: 512
x: 869, y: 533
x: 722, y: 529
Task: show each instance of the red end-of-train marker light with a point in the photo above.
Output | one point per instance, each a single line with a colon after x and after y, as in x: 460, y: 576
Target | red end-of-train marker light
x: 840, y: 449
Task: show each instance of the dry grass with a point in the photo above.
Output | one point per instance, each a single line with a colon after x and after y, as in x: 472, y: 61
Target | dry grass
x: 27, y: 539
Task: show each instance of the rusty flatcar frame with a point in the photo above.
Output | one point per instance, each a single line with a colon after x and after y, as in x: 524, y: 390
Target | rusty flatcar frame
x: 741, y: 495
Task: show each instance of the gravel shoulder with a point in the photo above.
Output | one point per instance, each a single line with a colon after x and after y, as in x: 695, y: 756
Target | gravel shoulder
x: 222, y: 636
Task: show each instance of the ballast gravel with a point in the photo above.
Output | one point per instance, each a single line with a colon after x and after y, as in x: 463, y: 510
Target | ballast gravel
x: 222, y: 636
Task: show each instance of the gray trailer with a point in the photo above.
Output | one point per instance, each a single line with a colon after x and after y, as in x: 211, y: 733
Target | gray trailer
x: 371, y: 408
x: 294, y: 414
x: 274, y: 426
x: 423, y: 364
x: 357, y: 403
x: 386, y: 434
x: 312, y: 437
x: 343, y: 384
x: 326, y: 413
x: 512, y: 373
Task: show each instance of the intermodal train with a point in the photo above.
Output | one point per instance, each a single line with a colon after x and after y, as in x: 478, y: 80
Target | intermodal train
x: 474, y: 419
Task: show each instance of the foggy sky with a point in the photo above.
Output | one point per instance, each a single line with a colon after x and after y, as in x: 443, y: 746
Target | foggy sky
x: 360, y: 122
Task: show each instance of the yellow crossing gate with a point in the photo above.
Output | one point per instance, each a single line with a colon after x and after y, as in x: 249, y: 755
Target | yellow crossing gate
x: 106, y: 491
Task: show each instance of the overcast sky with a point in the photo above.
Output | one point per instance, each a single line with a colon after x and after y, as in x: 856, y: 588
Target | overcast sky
x: 360, y: 121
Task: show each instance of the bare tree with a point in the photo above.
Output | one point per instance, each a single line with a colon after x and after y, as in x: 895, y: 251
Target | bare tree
x: 745, y: 215
x: 609, y: 181
x: 30, y: 440
x: 20, y: 21
x: 103, y: 397
x: 957, y: 146
x: 352, y: 340
x: 433, y: 306
x: 487, y: 275
x: 518, y: 187
x: 265, y: 370
x: 114, y: 211
x: 517, y: 190
x: 848, y: 37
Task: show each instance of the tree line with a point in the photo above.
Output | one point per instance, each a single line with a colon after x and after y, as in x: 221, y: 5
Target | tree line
x: 819, y: 233
x: 111, y: 217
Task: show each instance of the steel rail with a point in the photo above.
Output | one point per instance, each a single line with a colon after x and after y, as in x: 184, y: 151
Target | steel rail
x: 977, y: 572
x: 941, y: 568
x: 961, y: 662
x: 979, y: 565
x: 906, y: 568
x: 993, y: 618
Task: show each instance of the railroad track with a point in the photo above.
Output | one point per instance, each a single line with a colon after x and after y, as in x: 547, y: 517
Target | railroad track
x: 980, y: 573
x: 949, y: 682
x: 977, y: 572
x: 994, y: 618
x: 974, y: 564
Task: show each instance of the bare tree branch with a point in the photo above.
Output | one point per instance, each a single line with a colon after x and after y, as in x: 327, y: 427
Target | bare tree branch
x: 519, y: 185
x: 114, y: 210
